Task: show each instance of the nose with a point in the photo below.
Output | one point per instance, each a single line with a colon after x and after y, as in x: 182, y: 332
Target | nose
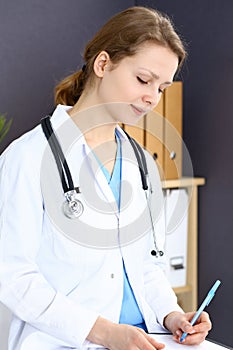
x: 152, y: 99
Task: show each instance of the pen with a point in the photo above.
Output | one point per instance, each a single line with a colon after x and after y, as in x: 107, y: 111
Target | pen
x: 205, y: 303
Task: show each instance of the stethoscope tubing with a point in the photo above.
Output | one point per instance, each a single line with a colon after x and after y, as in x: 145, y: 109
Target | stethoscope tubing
x: 141, y: 159
x: 60, y: 159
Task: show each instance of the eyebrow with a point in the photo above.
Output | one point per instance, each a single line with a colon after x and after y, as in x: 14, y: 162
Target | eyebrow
x: 155, y: 76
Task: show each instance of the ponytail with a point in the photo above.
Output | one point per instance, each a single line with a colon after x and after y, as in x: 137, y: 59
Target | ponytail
x: 68, y: 91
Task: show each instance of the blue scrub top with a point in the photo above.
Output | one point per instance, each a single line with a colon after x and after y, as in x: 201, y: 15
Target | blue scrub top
x: 130, y: 312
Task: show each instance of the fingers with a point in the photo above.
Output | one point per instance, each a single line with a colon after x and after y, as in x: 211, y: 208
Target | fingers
x: 205, y: 319
x: 196, y: 333
x: 191, y: 339
x: 203, y: 323
x: 148, y: 343
x: 154, y: 343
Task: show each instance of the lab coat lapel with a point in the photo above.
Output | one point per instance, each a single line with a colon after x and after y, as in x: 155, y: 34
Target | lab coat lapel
x: 130, y: 177
x: 102, y: 187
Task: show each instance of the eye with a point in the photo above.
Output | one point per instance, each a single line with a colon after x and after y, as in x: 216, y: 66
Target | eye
x: 141, y: 80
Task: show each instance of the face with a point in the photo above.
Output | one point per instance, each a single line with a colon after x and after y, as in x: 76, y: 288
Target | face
x: 134, y: 86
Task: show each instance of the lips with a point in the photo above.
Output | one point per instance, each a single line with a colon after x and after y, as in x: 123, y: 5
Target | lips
x: 138, y: 110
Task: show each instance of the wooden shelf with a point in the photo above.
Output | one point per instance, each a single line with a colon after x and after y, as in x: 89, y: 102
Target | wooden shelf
x: 182, y: 290
x: 183, y: 182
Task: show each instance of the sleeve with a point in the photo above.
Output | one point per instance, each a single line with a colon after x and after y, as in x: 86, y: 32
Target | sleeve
x: 163, y: 300
x: 23, y: 289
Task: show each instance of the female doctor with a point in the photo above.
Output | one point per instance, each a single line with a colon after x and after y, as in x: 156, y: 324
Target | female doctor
x: 81, y: 249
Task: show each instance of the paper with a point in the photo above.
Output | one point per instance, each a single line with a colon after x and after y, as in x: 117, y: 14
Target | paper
x: 170, y: 344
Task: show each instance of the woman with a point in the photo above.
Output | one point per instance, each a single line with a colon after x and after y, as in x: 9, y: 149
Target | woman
x: 92, y: 279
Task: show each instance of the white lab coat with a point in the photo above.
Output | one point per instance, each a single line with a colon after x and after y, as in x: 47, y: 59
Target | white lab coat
x: 58, y: 275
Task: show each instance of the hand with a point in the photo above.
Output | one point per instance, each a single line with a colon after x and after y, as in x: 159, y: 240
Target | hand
x: 178, y: 323
x: 121, y: 337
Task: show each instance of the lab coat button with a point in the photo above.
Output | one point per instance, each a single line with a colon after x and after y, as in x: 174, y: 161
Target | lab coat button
x: 112, y: 275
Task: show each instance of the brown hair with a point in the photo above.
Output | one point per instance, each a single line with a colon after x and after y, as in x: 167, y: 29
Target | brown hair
x: 121, y: 36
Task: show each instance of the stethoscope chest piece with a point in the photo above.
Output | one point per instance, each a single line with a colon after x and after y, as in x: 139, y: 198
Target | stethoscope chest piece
x: 72, y: 207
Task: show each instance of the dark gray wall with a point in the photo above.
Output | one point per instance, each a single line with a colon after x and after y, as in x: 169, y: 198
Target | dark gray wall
x: 42, y: 41
x: 208, y: 135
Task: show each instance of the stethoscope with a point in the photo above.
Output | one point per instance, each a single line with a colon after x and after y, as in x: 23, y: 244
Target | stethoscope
x: 72, y: 206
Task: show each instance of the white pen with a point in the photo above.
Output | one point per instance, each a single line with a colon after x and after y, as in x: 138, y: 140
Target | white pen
x: 205, y: 303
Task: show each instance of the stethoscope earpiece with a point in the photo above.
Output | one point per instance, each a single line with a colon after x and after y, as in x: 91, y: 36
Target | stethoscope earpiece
x: 158, y: 253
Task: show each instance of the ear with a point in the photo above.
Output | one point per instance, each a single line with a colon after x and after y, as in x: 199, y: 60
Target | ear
x: 100, y: 63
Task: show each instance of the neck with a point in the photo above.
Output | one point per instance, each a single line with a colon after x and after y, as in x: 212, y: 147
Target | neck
x: 100, y: 135
x: 98, y: 128
x: 94, y: 121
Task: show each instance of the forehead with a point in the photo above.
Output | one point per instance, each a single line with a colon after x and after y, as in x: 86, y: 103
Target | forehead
x: 154, y: 57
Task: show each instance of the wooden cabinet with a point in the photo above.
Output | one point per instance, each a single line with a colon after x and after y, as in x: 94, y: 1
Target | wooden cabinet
x: 163, y: 132
x: 160, y: 132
